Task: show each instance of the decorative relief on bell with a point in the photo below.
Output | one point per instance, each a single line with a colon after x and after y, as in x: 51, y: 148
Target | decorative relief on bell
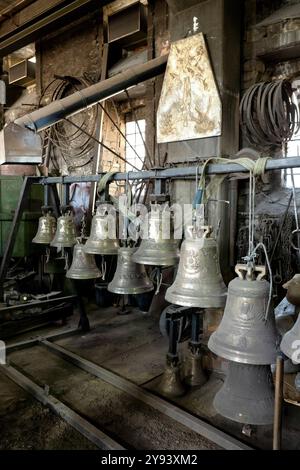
x: 245, y: 335
x: 83, y: 265
x: 130, y: 277
x: 198, y: 282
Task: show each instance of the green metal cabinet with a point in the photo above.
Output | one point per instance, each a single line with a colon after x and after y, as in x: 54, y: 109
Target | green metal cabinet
x: 10, y: 189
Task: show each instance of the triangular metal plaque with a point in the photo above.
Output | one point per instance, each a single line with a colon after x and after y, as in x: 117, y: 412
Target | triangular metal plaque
x: 190, y: 105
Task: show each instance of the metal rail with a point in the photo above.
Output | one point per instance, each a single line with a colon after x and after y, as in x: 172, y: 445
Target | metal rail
x: 179, y: 172
x: 158, y: 174
x: 195, y: 424
x: 93, y: 434
x: 38, y: 303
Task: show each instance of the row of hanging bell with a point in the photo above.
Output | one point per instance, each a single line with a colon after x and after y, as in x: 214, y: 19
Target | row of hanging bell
x: 60, y: 233
x: 158, y: 246
x: 247, y: 337
x: 103, y: 236
x: 130, y: 277
x: 46, y: 228
x: 198, y: 282
x: 83, y: 265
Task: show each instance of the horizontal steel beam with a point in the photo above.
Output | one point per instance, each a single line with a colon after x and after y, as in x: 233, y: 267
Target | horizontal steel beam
x: 44, y: 22
x: 29, y: 343
x: 70, y: 105
x: 179, y: 172
x: 85, y: 428
x: 195, y: 424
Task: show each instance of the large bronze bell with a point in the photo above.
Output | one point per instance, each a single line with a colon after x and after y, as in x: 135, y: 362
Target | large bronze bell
x: 65, y: 236
x: 247, y: 395
x: 101, y: 241
x: 244, y: 334
x: 46, y: 229
x: 199, y: 282
x: 158, y: 246
x: 83, y: 265
x: 130, y: 277
x: 290, y: 344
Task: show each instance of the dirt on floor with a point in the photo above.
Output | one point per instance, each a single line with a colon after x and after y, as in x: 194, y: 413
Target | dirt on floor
x: 26, y: 424
x: 132, y: 347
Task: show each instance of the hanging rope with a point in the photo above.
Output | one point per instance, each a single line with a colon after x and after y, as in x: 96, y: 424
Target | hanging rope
x: 256, y: 167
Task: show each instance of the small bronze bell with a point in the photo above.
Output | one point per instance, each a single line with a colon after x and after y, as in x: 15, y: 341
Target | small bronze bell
x: 198, y: 282
x: 130, y: 277
x: 65, y: 236
x: 244, y: 334
x: 196, y: 376
x: 247, y: 395
x: 171, y: 385
x: 83, y: 265
x: 290, y: 343
x: 101, y: 241
x: 158, y: 247
x: 46, y: 228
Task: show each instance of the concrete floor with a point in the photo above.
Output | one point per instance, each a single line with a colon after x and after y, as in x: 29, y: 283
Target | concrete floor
x: 132, y: 347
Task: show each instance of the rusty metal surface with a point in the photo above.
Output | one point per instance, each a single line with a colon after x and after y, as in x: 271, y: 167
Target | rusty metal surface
x: 190, y: 105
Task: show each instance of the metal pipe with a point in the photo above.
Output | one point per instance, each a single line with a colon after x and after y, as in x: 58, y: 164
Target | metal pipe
x: 277, y: 430
x: 70, y: 105
x: 176, y: 172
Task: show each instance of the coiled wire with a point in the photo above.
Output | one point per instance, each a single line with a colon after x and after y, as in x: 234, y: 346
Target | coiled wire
x: 74, y: 144
x: 269, y: 114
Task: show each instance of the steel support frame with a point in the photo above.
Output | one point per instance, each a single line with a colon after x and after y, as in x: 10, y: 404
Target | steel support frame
x: 172, y: 411
x: 179, y: 172
x: 93, y: 434
x: 156, y: 174
x: 46, y: 22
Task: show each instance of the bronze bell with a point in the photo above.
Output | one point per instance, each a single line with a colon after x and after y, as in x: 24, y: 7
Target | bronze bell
x: 290, y: 344
x: 158, y: 246
x: 198, y: 282
x: 130, y: 277
x: 46, y: 229
x: 170, y: 384
x: 244, y: 334
x: 83, y: 265
x: 65, y: 236
x: 247, y: 395
x: 101, y: 241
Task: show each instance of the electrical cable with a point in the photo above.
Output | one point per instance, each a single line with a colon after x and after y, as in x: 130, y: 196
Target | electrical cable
x: 269, y: 114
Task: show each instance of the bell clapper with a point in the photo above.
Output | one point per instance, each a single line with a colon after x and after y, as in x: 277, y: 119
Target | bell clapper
x: 196, y: 377
x: 171, y: 384
x: 103, y: 268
